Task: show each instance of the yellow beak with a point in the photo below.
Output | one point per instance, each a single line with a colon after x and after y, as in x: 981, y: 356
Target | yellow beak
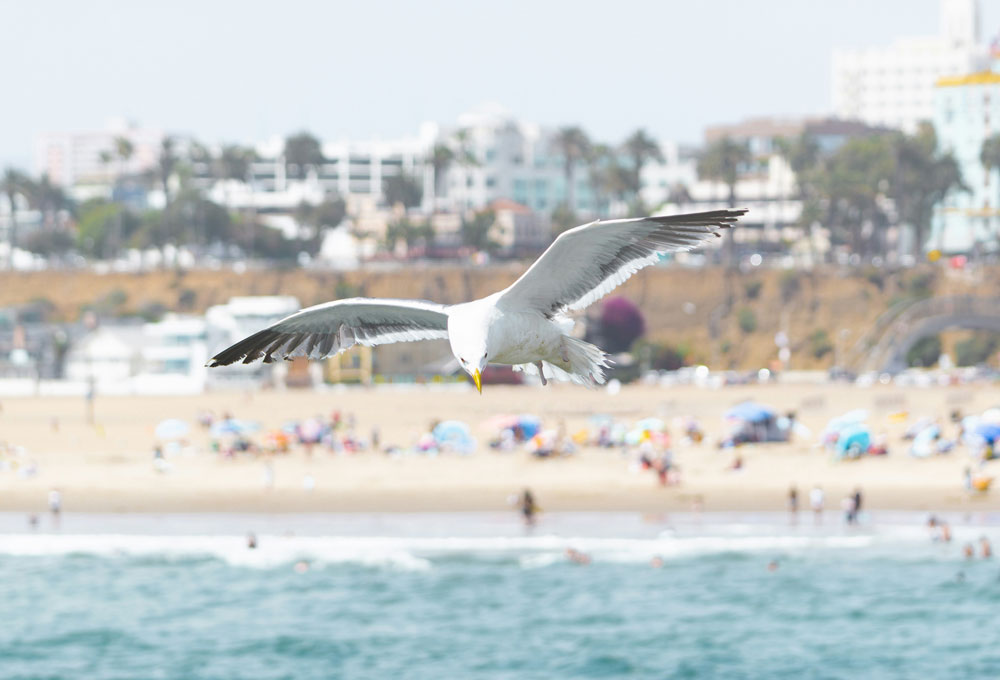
x: 477, y: 377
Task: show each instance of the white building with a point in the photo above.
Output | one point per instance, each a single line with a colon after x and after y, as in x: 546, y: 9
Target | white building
x: 498, y: 156
x: 74, y: 159
x: 166, y: 357
x: 894, y: 85
x: 967, y: 113
x: 237, y: 319
x: 355, y: 169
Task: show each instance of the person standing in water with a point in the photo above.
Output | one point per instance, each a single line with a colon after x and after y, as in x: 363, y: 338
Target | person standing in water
x: 528, y: 508
x: 55, y: 505
x: 816, y: 502
x: 793, y: 504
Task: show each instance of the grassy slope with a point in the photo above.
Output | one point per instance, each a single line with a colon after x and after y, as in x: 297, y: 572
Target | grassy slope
x: 799, y: 302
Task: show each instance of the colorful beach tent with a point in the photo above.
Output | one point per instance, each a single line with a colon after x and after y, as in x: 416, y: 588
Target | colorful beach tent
x: 454, y: 435
x: 750, y: 412
x: 854, y: 441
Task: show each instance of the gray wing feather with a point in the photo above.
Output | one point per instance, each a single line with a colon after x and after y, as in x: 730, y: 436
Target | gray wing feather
x: 334, y: 327
x: 586, y: 263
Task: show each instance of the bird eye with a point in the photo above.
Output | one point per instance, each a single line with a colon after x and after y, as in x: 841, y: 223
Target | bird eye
x: 462, y: 360
x: 485, y: 354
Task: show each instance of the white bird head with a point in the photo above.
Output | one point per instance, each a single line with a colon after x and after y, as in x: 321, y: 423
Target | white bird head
x: 467, y: 334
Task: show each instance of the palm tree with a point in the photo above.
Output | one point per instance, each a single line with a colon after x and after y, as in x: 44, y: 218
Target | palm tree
x: 441, y: 159
x: 803, y: 156
x: 721, y: 162
x: 234, y: 162
x: 573, y: 144
x: 14, y: 182
x: 302, y: 151
x: 123, y: 150
x: 49, y: 199
x: 989, y: 156
x: 606, y: 176
x: 166, y: 162
x: 923, y: 178
x: 640, y: 148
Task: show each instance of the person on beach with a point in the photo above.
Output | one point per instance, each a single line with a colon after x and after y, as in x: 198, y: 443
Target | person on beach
x: 850, y: 512
x: 577, y: 557
x: 816, y: 498
x: 528, y: 508
x: 55, y: 504
x: 251, y: 541
x: 986, y: 550
x: 793, y: 504
x: 968, y: 551
x: 857, y: 504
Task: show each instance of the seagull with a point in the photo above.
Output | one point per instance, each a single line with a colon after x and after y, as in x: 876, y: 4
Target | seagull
x: 526, y: 325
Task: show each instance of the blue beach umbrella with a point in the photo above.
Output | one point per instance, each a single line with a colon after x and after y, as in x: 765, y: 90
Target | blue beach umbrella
x: 750, y: 411
x: 233, y: 426
x: 853, y: 441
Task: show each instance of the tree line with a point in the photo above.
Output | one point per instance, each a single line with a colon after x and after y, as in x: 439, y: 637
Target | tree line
x: 857, y: 191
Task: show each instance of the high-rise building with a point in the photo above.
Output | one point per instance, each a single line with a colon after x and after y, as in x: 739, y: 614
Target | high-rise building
x: 894, y: 85
x: 967, y: 113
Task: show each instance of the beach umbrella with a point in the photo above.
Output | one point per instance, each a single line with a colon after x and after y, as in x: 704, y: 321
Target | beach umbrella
x: 310, y: 431
x: 233, y: 426
x: 454, y: 435
x: 171, y: 428
x: 849, y: 419
x: 750, y: 411
x: 925, y: 441
x: 853, y: 441
x: 988, y: 431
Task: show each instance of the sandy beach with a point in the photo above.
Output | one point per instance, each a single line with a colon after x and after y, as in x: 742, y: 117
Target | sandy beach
x: 108, y: 466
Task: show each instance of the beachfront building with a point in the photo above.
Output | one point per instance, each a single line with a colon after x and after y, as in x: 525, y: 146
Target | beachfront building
x: 351, y: 168
x: 231, y: 322
x: 87, y: 162
x: 894, y: 85
x: 967, y: 113
x: 165, y: 357
x: 766, y: 185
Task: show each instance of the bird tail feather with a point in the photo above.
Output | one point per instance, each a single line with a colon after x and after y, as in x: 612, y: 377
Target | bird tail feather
x: 585, y: 366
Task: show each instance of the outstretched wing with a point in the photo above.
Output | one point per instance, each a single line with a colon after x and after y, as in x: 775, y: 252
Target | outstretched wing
x: 332, y: 327
x: 586, y: 263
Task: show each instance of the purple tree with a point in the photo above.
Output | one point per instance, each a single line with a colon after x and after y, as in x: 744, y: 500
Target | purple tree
x: 621, y: 324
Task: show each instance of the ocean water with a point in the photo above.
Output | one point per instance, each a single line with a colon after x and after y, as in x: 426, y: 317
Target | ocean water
x: 477, y: 596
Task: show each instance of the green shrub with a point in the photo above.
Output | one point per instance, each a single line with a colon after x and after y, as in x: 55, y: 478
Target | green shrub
x: 186, y: 299
x: 819, y: 343
x: 747, y: 320
x: 152, y: 311
x: 925, y: 352
x: 977, y: 349
x: 659, y: 356
x: 920, y: 285
x: 752, y: 289
x: 789, y: 285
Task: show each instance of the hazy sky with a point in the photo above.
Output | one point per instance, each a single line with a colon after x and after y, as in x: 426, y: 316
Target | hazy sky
x: 247, y: 70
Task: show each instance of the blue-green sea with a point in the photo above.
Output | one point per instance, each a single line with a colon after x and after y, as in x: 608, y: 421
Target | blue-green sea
x: 473, y: 596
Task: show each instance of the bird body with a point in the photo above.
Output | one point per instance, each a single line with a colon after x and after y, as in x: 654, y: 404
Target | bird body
x: 525, y: 325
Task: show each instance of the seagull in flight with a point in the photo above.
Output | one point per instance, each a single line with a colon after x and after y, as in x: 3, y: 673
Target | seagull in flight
x: 525, y: 325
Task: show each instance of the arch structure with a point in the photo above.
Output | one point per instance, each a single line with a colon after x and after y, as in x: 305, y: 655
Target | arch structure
x: 887, y: 353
